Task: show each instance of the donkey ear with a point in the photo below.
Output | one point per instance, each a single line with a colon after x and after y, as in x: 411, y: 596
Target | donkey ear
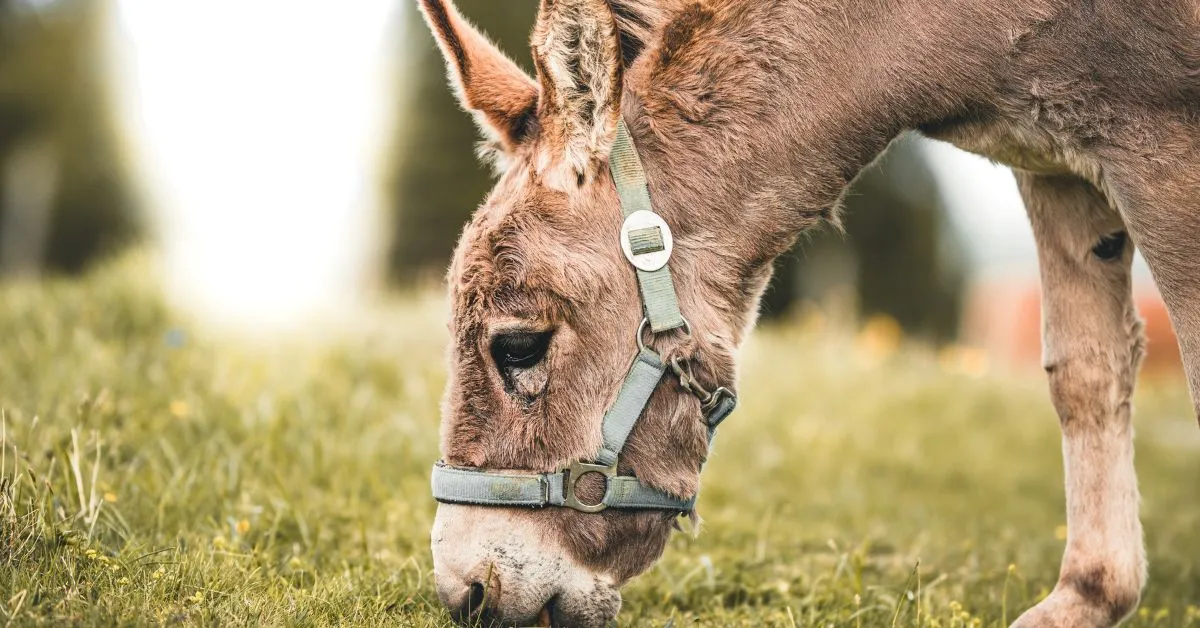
x: 489, y: 85
x: 577, y: 49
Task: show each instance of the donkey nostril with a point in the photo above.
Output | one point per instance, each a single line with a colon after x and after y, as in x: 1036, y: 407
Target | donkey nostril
x: 471, y: 597
x: 546, y: 617
x: 476, y: 598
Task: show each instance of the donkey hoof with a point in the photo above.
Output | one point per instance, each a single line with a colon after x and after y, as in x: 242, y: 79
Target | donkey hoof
x: 1066, y: 608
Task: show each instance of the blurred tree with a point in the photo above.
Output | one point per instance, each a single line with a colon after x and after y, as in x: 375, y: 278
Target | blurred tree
x: 438, y: 182
x: 898, y: 253
x: 53, y: 106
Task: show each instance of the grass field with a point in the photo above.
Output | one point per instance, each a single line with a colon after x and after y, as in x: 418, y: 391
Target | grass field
x: 152, y: 474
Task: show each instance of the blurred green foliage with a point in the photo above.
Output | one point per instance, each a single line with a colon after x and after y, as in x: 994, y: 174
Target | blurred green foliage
x: 438, y: 181
x: 51, y: 90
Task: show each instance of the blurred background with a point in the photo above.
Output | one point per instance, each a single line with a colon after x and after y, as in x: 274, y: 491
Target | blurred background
x: 288, y: 162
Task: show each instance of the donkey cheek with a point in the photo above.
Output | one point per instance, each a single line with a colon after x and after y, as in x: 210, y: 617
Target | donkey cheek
x: 621, y: 545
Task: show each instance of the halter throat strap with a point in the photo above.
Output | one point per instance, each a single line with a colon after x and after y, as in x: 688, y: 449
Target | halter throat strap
x: 647, y: 242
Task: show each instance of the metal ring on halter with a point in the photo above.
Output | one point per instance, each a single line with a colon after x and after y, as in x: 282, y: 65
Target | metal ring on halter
x: 641, y: 332
x: 574, y: 472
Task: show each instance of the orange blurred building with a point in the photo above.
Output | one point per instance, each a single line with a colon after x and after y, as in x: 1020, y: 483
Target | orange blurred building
x: 1003, y: 317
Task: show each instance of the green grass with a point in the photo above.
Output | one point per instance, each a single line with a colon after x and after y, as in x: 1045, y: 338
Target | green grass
x: 154, y: 474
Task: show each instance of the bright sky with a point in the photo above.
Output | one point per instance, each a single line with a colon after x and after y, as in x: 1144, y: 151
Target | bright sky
x: 259, y: 128
x: 986, y: 208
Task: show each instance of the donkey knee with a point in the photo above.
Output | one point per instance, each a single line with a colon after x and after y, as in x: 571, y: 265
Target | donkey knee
x: 1086, y: 391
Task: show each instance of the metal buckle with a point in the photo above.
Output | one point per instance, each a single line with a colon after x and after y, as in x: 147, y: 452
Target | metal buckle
x: 641, y: 332
x: 577, y: 470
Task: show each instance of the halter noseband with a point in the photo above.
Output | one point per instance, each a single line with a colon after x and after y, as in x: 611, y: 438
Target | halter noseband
x: 647, y: 242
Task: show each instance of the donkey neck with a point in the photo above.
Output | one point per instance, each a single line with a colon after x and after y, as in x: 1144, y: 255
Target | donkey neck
x: 759, y: 114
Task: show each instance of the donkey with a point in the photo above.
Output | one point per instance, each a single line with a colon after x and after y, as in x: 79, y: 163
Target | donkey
x: 748, y: 119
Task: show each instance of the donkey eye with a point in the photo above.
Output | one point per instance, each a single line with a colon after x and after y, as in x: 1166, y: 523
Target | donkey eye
x: 1110, y: 246
x: 520, y: 350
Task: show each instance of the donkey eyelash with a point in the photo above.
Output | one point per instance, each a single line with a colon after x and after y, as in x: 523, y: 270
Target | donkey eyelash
x: 520, y: 350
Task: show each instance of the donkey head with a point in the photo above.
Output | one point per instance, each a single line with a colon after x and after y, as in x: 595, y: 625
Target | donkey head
x: 545, y: 313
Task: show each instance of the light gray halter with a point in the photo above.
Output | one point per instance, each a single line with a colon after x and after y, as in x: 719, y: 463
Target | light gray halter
x: 647, y: 242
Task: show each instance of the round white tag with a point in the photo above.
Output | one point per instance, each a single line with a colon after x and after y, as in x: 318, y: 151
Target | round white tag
x: 650, y: 261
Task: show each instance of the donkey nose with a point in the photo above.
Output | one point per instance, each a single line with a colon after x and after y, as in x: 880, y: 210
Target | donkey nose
x: 468, y: 602
x: 471, y: 600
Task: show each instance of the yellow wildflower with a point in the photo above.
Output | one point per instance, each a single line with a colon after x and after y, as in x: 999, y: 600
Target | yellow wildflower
x: 879, y: 339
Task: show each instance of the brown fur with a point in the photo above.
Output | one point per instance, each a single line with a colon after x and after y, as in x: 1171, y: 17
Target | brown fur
x: 751, y: 118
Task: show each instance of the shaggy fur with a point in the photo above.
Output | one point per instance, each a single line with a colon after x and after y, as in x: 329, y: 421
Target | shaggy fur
x: 752, y: 117
x: 578, y: 55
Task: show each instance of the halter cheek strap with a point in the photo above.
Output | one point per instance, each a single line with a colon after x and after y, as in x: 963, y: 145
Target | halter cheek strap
x: 648, y: 243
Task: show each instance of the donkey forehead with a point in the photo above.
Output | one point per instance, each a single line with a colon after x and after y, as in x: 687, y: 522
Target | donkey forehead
x: 532, y: 247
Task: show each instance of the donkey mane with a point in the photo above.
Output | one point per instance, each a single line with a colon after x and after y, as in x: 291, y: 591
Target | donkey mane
x: 638, y: 23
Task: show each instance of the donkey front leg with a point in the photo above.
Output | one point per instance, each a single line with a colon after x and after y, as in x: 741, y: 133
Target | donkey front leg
x: 1092, y: 347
